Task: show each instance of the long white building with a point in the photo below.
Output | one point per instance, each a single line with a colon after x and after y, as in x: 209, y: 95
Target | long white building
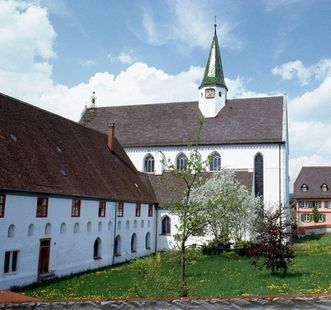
x: 70, y: 198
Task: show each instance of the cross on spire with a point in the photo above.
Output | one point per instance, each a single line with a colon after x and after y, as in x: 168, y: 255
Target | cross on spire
x: 215, y: 25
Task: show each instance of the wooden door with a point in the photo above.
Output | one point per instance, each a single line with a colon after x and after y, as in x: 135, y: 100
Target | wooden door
x: 44, y: 252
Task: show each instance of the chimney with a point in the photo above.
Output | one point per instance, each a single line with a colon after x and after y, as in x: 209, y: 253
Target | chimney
x: 111, y: 131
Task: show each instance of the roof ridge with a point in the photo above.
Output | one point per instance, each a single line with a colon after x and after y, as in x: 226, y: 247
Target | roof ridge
x: 145, y: 104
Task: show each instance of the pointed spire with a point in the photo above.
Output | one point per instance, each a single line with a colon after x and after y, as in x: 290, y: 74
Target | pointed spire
x: 214, y: 70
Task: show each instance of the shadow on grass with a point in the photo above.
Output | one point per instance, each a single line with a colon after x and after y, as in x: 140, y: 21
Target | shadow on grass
x: 311, y: 237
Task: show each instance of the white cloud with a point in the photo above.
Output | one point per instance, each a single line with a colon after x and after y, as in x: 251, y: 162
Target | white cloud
x: 237, y: 89
x: 124, y: 58
x: 135, y: 85
x: 296, y: 69
x: 26, y: 45
x: 190, y: 26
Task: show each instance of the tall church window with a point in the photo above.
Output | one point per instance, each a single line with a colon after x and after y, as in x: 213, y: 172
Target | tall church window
x: 258, y: 175
x: 166, y: 225
x: 149, y: 163
x: 181, y: 162
x: 215, y: 162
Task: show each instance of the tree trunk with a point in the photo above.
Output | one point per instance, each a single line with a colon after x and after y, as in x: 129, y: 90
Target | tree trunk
x: 184, y: 291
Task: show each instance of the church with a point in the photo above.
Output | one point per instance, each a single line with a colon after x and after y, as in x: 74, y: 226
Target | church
x: 247, y: 135
x: 80, y: 196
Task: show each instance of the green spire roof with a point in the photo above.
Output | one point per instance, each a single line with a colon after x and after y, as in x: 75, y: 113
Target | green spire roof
x: 214, y: 70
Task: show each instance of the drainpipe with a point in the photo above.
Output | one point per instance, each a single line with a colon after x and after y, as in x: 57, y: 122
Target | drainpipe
x: 156, y: 221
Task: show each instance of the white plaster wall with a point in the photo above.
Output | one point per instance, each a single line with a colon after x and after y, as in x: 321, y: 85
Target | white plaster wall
x: 126, y: 233
x: 239, y: 156
x: 70, y: 252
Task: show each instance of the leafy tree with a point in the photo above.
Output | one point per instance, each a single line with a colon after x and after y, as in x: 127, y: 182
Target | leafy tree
x: 272, y: 243
x: 231, y: 211
x: 191, y: 220
x: 316, y: 214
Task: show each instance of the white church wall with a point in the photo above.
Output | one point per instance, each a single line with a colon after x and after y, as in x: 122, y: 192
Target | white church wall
x: 70, y: 251
x: 237, y: 157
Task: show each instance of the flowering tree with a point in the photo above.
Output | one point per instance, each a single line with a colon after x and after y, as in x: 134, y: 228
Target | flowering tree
x: 231, y: 211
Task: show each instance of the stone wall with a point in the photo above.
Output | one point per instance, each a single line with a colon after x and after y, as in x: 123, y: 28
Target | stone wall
x: 272, y: 302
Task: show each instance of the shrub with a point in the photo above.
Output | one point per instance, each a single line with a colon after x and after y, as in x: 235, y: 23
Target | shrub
x: 214, y: 247
x: 272, y: 244
x: 242, y: 248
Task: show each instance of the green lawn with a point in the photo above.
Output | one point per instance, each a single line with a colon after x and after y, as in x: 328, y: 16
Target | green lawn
x: 224, y: 275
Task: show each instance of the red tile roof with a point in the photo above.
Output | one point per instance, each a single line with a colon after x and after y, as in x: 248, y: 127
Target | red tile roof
x: 43, y: 152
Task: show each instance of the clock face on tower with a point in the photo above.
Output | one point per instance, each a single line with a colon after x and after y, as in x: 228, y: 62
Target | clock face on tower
x: 210, y: 93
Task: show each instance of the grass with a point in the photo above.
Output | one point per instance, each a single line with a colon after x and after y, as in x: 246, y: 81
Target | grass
x: 224, y: 275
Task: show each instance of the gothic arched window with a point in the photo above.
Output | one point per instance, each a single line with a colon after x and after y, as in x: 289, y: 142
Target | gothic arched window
x: 166, y: 225
x: 215, y: 162
x: 181, y: 162
x: 258, y: 175
x: 149, y: 163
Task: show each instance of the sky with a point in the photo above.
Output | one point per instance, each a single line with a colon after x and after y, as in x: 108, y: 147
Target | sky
x: 55, y: 53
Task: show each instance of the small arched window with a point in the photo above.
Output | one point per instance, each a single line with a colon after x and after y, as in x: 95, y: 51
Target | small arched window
x: 181, y: 162
x: 142, y: 224
x: 100, y: 226
x: 135, y: 224
x: 127, y: 225
x: 304, y: 188
x: 11, y: 231
x: 63, y: 228
x: 76, y: 228
x: 148, y: 241
x: 324, y: 187
x: 48, y: 228
x: 134, y: 243
x: 31, y: 230
x: 119, y: 225
x: 166, y: 225
x: 97, y: 249
x: 109, y: 226
x: 215, y: 162
x: 118, y: 245
x: 89, y: 226
x: 149, y: 163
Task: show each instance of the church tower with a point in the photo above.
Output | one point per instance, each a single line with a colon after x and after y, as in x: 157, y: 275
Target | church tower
x: 213, y: 91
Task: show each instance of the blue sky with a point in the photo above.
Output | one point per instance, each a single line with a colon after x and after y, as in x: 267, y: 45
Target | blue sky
x: 54, y: 53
